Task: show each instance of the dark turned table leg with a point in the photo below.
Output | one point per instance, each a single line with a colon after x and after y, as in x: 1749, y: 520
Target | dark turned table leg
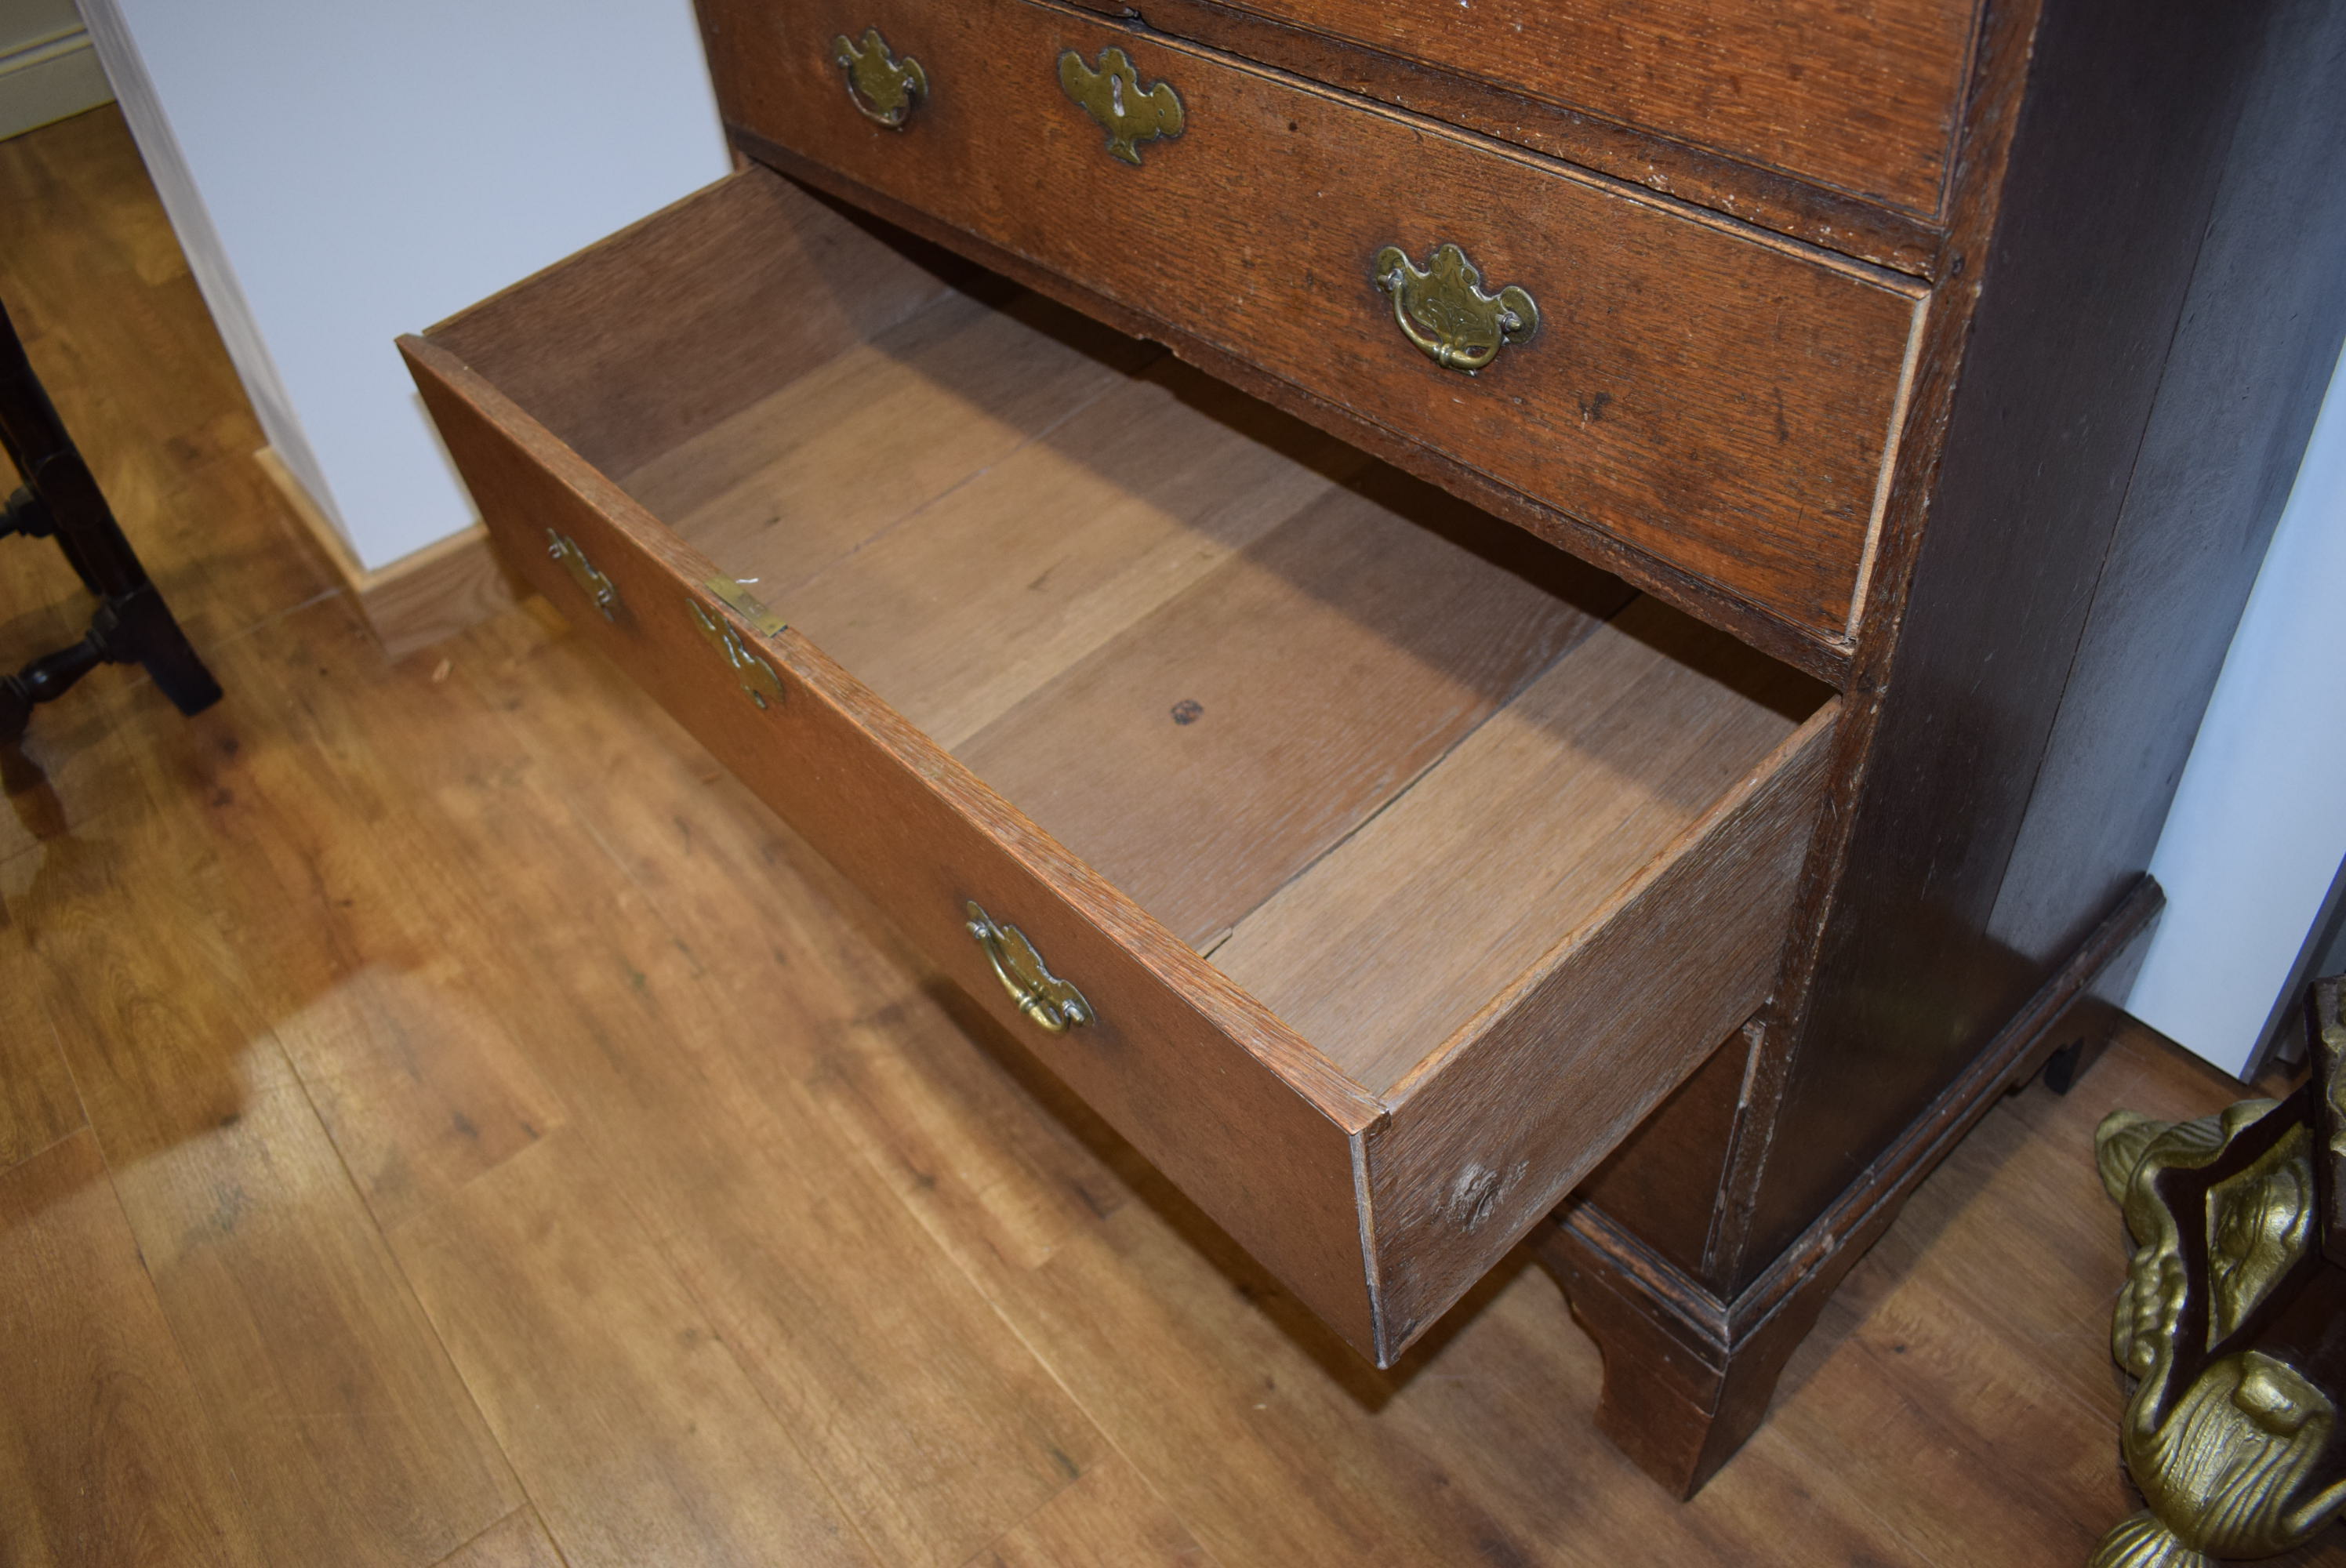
x: 60, y: 500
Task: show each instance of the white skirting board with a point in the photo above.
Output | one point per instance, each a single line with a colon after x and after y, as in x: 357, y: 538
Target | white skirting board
x: 48, y: 79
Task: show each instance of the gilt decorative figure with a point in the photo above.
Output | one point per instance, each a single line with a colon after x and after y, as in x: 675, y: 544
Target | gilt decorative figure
x: 2233, y: 1321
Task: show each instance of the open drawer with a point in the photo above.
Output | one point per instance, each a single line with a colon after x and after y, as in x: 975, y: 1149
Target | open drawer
x: 1372, y: 866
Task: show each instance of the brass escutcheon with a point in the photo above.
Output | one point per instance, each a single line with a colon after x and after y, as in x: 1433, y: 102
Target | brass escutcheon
x: 1050, y: 1003
x: 591, y: 583
x: 757, y: 678
x: 1444, y: 310
x: 886, y: 89
x: 1111, y: 95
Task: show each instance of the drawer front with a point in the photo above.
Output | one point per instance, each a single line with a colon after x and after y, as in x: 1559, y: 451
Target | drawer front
x: 1720, y: 399
x: 1864, y: 99
x: 1251, y: 1122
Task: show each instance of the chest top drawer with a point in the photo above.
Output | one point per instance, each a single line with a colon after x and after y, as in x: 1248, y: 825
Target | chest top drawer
x: 1372, y: 867
x: 1722, y: 399
x: 1862, y: 97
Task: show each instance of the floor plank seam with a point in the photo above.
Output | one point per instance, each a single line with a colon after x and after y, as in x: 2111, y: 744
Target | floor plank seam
x: 1036, y: 1352
x: 227, y: 1455
x: 662, y: 1244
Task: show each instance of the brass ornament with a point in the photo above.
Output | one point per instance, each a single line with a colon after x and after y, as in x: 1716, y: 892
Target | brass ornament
x: 2223, y: 1439
x: 1445, y: 311
x: 2330, y: 1116
x: 753, y: 674
x: 598, y: 588
x: 1111, y: 95
x: 1051, y: 1004
x: 884, y: 89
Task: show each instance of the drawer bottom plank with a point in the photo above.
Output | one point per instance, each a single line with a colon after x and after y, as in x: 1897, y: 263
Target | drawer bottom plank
x: 1518, y: 841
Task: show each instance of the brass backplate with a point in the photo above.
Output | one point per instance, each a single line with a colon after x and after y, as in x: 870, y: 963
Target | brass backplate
x: 591, y: 582
x: 752, y: 673
x: 885, y: 89
x: 1050, y: 1003
x: 1111, y: 95
x: 1444, y: 310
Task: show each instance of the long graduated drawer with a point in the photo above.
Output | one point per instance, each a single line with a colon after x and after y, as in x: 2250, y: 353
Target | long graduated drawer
x: 1716, y: 398
x: 1372, y: 867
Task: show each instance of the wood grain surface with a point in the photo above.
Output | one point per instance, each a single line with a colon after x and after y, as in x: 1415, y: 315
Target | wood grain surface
x: 1521, y: 838
x: 515, y: 861
x: 809, y: 282
x: 1494, y: 1128
x: 1800, y: 208
x: 556, y: 1301
x: 516, y: 1541
x: 1216, y: 748
x: 1723, y: 398
x: 811, y: 472
x: 1035, y: 564
x: 1865, y: 98
x: 111, y: 1461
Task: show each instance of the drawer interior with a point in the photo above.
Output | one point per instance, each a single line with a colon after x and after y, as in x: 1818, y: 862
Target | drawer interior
x: 1370, y: 751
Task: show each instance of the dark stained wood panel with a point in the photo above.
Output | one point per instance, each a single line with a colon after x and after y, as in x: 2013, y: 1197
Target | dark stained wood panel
x: 1663, y: 1180
x: 1722, y: 399
x: 2021, y: 581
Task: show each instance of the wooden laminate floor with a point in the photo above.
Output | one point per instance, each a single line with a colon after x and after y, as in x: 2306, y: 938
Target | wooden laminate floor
x: 443, y: 1120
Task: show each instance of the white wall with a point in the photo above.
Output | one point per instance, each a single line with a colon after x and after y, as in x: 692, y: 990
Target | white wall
x: 356, y: 171
x: 2259, y: 824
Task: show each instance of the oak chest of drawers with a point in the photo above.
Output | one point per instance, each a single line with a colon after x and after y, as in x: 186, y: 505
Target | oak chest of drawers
x: 1476, y: 622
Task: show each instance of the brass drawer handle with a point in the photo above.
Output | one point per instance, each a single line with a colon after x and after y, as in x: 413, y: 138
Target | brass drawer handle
x: 1444, y: 310
x: 1111, y: 95
x: 1052, y: 1005
x: 884, y: 89
x: 591, y: 583
x: 756, y: 677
